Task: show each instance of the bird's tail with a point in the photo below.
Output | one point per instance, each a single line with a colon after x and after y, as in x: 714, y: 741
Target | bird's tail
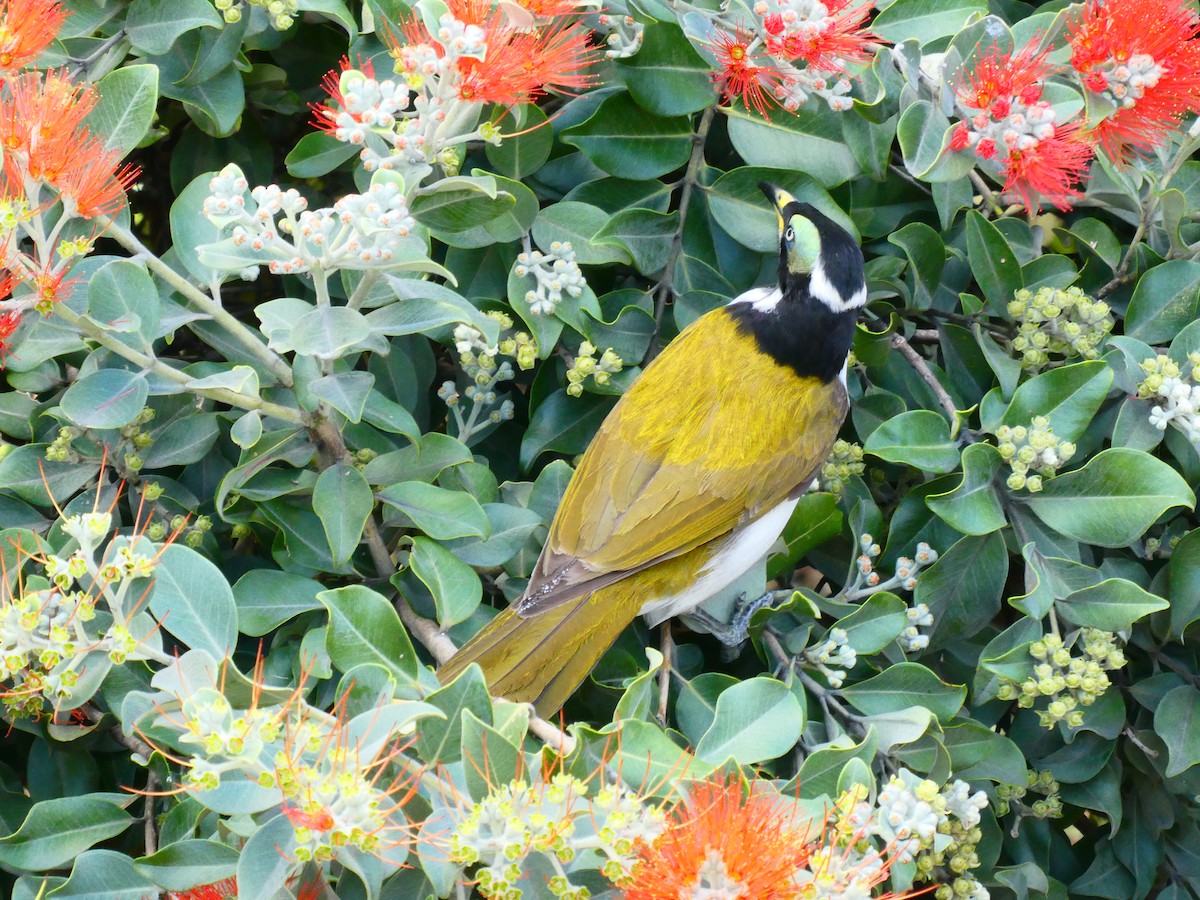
x: 544, y: 658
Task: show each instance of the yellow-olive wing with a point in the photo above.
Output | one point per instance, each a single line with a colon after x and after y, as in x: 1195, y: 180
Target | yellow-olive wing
x: 712, y: 435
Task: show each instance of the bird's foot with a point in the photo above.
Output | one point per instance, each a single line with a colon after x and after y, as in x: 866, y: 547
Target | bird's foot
x: 737, y: 629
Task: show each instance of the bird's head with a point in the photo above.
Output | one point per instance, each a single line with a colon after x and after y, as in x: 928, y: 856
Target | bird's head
x: 816, y: 254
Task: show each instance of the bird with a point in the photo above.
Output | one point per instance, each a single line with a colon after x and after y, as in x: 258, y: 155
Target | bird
x: 695, y: 471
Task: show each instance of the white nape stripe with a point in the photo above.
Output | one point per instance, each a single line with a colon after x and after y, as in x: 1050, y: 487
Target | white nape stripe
x: 822, y: 288
x: 738, y: 552
x: 763, y: 299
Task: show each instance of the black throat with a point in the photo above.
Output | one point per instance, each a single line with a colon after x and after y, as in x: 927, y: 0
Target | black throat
x: 800, y: 331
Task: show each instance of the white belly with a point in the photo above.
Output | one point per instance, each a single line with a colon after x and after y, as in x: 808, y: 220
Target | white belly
x: 741, y: 550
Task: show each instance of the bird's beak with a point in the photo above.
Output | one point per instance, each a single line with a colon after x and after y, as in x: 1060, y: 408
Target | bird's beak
x: 779, y: 197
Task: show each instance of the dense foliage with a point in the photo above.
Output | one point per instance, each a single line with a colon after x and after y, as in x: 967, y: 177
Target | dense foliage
x: 292, y: 393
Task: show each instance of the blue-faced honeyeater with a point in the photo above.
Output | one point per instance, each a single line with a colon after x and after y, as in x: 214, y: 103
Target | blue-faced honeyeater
x: 694, y: 473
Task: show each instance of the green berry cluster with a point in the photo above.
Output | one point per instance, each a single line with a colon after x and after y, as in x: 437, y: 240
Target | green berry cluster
x: 1066, y: 323
x: 557, y: 820
x: 1066, y: 680
x: 585, y: 364
x: 1011, y: 797
x: 281, y: 13
x: 845, y: 461
x: 1033, y: 449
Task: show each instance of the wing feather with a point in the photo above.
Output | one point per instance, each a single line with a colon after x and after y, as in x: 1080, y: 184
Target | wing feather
x: 696, y: 447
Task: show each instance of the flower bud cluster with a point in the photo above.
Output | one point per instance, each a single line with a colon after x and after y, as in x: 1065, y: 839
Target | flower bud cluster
x: 1032, y: 449
x: 1011, y: 797
x: 558, y: 821
x: 483, y: 371
x: 935, y: 827
x: 867, y: 581
x: 1067, y: 681
x: 554, y: 274
x: 845, y: 461
x: 275, y: 228
x: 911, y: 639
x: 833, y: 656
x: 280, y: 13
x: 50, y: 637
x: 624, y: 35
x: 1174, y: 393
x: 585, y: 364
x: 1067, y: 323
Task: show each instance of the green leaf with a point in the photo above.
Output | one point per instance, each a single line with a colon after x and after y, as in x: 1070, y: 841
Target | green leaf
x: 1113, y: 499
x: 105, y: 875
x: 1068, y: 396
x: 667, y: 76
x: 462, y: 204
x: 268, y: 859
x: 317, y: 154
x: 56, y: 831
x: 347, y: 392
x: 993, y: 262
x: 644, y: 234
x: 756, y: 720
x: 266, y: 598
x: 919, y: 438
x: 924, y: 135
x: 524, y: 153
x: 27, y: 473
x: 342, y: 500
x: 623, y: 139
x: 815, y: 520
x: 489, y: 759
x: 1184, y: 590
x: 455, y: 587
x: 424, y: 307
x: 809, y: 140
x: 182, y: 442
x: 903, y: 685
x: 563, y: 423
x: 577, y: 223
x: 974, y: 506
x: 962, y: 589
x: 875, y: 624
x: 1112, y: 605
x: 125, y: 110
x: 423, y: 461
x: 1177, y: 722
x: 329, y: 331
x: 153, y: 26
x: 440, y: 513
x: 364, y: 628
x: 193, y: 601
x: 1165, y: 300
x: 441, y: 739
x: 509, y: 528
x: 925, y: 20
x: 108, y: 398
x: 820, y: 771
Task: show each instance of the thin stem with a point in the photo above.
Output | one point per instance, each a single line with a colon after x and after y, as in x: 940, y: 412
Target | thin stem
x: 986, y: 192
x: 363, y: 289
x: 149, y: 829
x: 276, y: 364
x: 149, y: 363
x: 917, y: 361
x: 666, y: 287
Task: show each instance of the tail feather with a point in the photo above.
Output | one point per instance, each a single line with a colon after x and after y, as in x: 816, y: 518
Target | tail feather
x: 544, y: 658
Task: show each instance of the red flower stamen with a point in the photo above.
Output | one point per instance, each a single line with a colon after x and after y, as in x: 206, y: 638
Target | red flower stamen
x: 26, y: 28
x: 751, y: 76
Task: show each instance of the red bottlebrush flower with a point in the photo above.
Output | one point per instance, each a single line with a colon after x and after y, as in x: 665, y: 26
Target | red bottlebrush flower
x: 325, y: 115
x: 226, y: 889
x: 719, y: 837
x: 1144, y: 57
x: 1006, y: 120
x: 320, y: 819
x: 519, y: 63
x: 744, y: 73
x: 828, y: 43
x: 9, y: 321
x: 26, y: 28
x: 42, y: 128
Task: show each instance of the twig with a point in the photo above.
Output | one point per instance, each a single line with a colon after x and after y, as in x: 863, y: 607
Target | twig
x: 666, y: 287
x: 664, y: 672
x: 276, y: 364
x: 149, y: 363
x: 149, y: 828
x: 562, y: 742
x: 986, y: 192
x: 917, y: 361
x: 1137, y: 742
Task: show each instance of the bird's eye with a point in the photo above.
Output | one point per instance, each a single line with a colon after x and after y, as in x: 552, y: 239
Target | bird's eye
x: 789, y: 235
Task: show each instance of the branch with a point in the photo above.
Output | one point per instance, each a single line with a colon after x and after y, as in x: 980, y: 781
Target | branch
x: 666, y: 287
x: 277, y: 365
x: 917, y: 361
x: 151, y: 364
